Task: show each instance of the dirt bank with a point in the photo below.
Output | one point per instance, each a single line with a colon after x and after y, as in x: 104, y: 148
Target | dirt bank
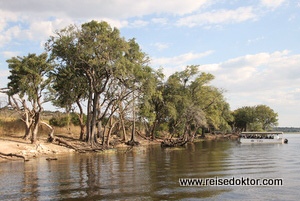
x: 14, y: 144
x: 18, y: 146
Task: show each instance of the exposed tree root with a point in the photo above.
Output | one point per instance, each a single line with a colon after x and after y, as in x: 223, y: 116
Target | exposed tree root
x: 51, y: 159
x: 132, y: 143
x: 173, y: 143
x: 16, y: 155
x: 139, y: 134
x: 61, y: 141
x: 80, y: 149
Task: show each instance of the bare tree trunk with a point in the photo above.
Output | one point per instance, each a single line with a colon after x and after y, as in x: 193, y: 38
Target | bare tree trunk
x: 194, y: 135
x: 68, y: 122
x: 121, y: 114
x: 103, y: 135
x: 153, y: 130
x: 99, y: 123
x: 88, y: 122
x: 92, y: 138
x: 35, y: 128
x: 99, y: 130
x: 123, y: 130
x: 28, y: 133
x: 51, y: 134
x: 28, y: 124
x: 133, y: 123
x: 112, y: 125
x: 81, y: 120
x: 203, y: 132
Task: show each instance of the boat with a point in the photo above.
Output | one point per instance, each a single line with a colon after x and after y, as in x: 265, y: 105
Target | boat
x: 262, y: 138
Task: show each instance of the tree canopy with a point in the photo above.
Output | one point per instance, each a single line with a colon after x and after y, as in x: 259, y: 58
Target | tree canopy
x: 30, y: 80
x: 256, y: 118
x: 92, y: 67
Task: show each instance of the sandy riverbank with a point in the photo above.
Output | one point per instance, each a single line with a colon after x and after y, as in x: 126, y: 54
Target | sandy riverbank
x: 14, y: 144
x: 18, y: 146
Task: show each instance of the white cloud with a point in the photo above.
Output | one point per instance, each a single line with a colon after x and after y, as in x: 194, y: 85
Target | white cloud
x: 255, y: 40
x: 178, y: 63
x: 10, y: 54
x: 218, y: 17
x: 112, y: 9
x: 162, y: 21
x: 264, y: 78
x: 113, y: 22
x: 272, y: 3
x: 160, y: 46
x: 38, y: 19
x: 8, y: 35
x: 4, y: 73
x: 179, y: 60
x: 138, y: 23
x: 5, y: 17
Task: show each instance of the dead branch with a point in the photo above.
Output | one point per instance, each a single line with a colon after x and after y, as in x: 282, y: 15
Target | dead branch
x: 173, y: 143
x: 139, y: 134
x: 16, y: 155
x: 68, y: 144
x: 51, y: 134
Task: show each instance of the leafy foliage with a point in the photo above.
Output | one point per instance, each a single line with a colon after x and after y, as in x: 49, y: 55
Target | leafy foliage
x: 256, y: 118
x: 96, y: 66
x: 60, y: 121
x: 30, y: 81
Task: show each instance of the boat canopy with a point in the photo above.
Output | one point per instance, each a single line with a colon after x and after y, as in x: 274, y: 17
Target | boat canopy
x: 261, y: 133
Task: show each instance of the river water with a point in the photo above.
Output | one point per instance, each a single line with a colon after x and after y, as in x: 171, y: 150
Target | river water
x: 153, y: 173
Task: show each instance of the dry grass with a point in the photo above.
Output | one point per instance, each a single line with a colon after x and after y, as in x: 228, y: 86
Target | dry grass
x: 15, y: 127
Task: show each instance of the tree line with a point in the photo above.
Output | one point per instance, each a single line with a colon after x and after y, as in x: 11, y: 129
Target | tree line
x: 109, y: 79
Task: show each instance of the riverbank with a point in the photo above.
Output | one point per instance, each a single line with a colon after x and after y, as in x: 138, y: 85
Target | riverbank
x: 17, y: 146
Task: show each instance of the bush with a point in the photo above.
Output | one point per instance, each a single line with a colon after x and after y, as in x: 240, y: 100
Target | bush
x: 60, y: 121
x: 75, y: 119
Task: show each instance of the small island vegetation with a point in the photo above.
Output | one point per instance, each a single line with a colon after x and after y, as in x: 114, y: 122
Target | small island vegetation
x: 111, y: 95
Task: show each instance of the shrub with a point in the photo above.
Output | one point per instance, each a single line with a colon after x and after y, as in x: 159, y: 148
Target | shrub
x: 75, y: 119
x: 60, y: 121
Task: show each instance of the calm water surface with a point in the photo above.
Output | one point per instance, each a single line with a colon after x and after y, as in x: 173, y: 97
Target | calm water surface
x: 152, y: 173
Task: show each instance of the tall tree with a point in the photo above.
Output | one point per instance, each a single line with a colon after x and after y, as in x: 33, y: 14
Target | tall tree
x: 30, y: 81
x: 255, y: 118
x: 266, y: 116
x: 193, y: 103
x: 152, y: 107
x: 106, y: 60
x: 70, y: 88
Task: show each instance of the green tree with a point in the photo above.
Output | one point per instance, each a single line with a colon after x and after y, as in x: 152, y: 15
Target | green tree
x: 255, y: 118
x: 152, y: 104
x: 266, y: 116
x: 30, y: 81
x: 109, y: 64
x: 193, y: 103
x: 70, y: 88
x: 243, y: 117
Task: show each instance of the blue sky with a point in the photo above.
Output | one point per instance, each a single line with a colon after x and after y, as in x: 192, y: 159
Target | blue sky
x: 252, y: 47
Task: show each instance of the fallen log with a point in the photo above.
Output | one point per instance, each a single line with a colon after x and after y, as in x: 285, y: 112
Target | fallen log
x: 139, y: 134
x: 51, y: 159
x: 68, y: 145
x: 132, y: 143
x: 173, y: 143
x: 16, y: 155
x: 51, y: 134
